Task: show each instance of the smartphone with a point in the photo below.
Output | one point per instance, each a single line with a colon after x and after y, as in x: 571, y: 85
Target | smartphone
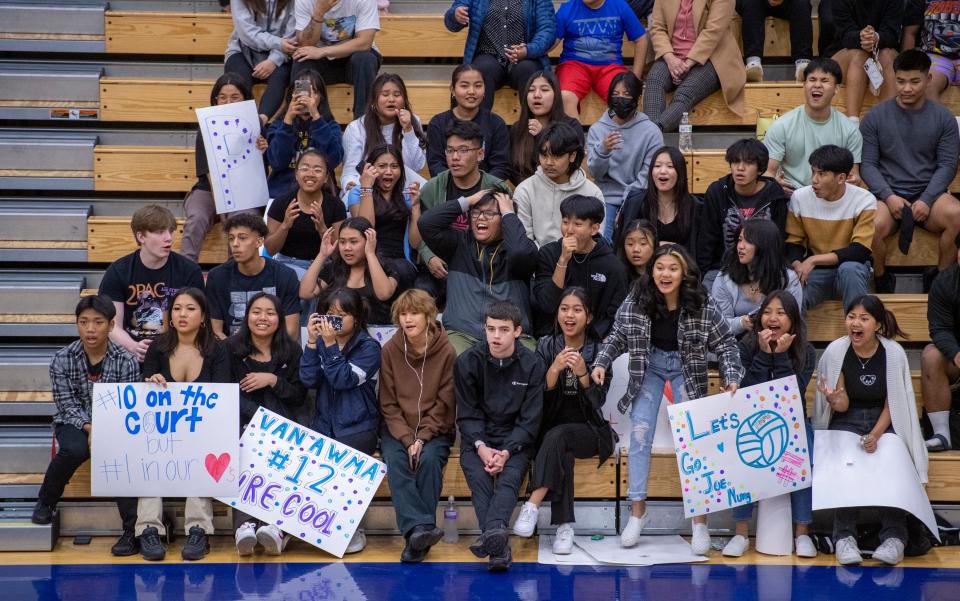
x: 336, y: 321
x: 301, y: 86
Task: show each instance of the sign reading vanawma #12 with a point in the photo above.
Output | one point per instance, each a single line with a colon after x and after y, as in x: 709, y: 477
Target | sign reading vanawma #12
x: 737, y: 449
x: 178, y: 441
x: 310, y: 486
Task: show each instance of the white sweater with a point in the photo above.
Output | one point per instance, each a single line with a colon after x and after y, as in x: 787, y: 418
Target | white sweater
x: 900, y: 397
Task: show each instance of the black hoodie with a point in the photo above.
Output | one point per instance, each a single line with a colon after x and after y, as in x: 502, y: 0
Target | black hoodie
x: 499, y: 401
x: 722, y: 215
x: 600, y: 272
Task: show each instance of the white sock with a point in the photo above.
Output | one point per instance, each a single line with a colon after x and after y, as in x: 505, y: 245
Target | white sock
x: 940, y: 420
x: 753, y: 59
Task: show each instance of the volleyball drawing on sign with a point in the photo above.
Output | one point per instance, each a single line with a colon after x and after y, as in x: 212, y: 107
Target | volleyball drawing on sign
x: 237, y: 177
x: 737, y: 449
x: 762, y: 439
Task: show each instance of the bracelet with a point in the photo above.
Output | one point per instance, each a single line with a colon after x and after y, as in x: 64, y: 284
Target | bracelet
x: 316, y: 20
x: 562, y: 265
x: 366, y: 191
x: 584, y: 375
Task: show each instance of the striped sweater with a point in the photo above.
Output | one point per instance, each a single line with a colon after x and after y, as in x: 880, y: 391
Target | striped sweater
x: 844, y: 227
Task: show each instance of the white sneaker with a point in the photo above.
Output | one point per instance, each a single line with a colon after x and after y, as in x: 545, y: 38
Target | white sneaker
x: 700, y: 541
x: 631, y: 532
x: 848, y: 553
x: 272, y: 539
x: 890, y: 551
x: 754, y: 69
x: 358, y: 542
x: 563, y: 543
x: 246, y: 538
x: 736, y: 546
x: 527, y: 520
x: 801, y: 66
x: 805, y: 547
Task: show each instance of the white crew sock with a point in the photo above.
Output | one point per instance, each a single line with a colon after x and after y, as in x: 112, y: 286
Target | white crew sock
x: 940, y: 420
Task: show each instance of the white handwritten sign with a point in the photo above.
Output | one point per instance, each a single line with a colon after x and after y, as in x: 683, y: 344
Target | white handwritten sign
x: 176, y: 441
x: 230, y: 133
x: 733, y: 450
x: 310, y: 486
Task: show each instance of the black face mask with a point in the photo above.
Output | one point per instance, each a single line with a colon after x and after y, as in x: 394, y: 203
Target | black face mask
x: 623, y: 107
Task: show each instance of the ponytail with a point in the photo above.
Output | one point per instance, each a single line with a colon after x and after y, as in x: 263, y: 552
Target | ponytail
x: 887, y: 320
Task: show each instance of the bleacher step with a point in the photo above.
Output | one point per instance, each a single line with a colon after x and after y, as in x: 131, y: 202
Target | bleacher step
x: 24, y: 448
x: 26, y: 367
x: 39, y: 295
x: 18, y: 533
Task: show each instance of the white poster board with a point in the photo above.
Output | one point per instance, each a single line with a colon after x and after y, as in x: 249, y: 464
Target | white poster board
x: 310, y: 486
x: 734, y: 450
x: 848, y: 476
x: 230, y: 133
x: 178, y: 441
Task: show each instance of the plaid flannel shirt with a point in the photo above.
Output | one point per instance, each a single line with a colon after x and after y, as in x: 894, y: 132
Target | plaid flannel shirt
x: 72, y: 391
x: 697, y: 335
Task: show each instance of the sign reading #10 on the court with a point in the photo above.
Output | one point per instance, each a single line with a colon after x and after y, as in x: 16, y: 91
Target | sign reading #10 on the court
x: 178, y: 441
x: 734, y: 450
x: 310, y: 486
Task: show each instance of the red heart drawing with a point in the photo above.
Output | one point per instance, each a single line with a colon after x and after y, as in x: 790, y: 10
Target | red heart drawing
x: 217, y: 465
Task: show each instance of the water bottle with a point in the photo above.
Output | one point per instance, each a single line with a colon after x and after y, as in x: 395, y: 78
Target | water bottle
x: 686, y: 134
x: 450, y: 534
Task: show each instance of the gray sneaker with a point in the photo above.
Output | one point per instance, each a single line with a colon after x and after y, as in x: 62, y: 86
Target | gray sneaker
x: 848, y: 553
x: 890, y: 551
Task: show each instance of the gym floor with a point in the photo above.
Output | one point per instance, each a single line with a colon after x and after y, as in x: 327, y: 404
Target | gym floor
x: 71, y: 572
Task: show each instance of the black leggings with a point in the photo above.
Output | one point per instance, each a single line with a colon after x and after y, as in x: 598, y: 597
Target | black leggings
x: 496, y: 75
x: 553, y: 466
x: 276, y: 84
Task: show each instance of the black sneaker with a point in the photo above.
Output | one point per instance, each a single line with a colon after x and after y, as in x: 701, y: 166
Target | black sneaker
x: 478, y: 547
x: 126, y: 545
x: 196, y: 546
x: 151, y: 547
x: 412, y: 555
x: 885, y: 284
x: 501, y: 562
x: 42, y: 514
x: 496, y: 541
x: 423, y: 537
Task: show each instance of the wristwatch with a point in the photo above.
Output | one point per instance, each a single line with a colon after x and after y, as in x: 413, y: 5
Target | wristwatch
x: 479, y: 444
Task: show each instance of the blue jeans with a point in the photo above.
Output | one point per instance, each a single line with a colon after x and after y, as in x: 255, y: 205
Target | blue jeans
x: 300, y: 267
x: 801, y: 501
x: 609, y: 219
x: 662, y: 367
x: 847, y: 280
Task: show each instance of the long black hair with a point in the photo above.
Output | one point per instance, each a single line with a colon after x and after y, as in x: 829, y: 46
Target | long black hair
x: 798, y: 350
x: 875, y: 307
x: 523, y: 151
x: 769, y: 265
x: 230, y: 79
x: 329, y: 187
x: 340, y: 269
x: 692, y: 295
x: 394, y: 208
x: 282, y: 346
x: 371, y: 119
x: 205, y: 341
x: 351, y: 302
x: 323, y: 106
x: 589, y: 332
x: 637, y: 225
x: 650, y: 207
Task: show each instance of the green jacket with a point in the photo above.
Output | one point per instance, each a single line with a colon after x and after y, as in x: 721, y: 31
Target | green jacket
x: 434, y: 193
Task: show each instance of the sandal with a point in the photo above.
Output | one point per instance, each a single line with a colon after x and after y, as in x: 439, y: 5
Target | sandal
x: 937, y: 444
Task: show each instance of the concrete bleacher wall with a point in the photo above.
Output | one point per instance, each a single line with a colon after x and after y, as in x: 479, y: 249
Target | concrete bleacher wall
x: 96, y: 119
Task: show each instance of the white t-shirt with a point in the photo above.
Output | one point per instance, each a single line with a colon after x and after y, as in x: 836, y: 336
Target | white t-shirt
x: 342, y: 22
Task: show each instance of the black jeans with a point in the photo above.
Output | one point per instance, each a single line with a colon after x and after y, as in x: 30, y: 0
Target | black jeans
x: 493, y: 497
x: 415, y: 494
x: 797, y: 12
x: 73, y: 451
x: 276, y: 84
x: 828, y: 31
x: 496, y: 75
x: 359, y: 70
x: 553, y: 466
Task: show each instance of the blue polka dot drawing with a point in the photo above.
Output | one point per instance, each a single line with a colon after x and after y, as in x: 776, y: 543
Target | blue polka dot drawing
x: 762, y: 439
x: 234, y: 140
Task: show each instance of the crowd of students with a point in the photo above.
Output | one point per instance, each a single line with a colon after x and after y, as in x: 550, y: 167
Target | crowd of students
x: 542, y: 283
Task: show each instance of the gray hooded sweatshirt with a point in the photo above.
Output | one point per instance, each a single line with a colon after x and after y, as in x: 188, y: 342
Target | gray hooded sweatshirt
x: 625, y: 169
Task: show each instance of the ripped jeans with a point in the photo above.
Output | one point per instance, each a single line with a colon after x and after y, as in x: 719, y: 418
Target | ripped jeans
x: 663, y: 366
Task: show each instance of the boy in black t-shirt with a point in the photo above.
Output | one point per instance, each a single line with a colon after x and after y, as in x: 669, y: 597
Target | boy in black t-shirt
x: 142, y: 283
x: 232, y: 284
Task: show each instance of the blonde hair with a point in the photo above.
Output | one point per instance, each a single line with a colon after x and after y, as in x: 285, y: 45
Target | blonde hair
x: 415, y: 301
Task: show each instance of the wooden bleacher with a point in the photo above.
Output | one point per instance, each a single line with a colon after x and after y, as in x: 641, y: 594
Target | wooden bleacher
x: 109, y: 238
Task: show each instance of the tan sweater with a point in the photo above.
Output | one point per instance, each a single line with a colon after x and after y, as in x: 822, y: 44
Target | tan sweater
x: 400, y: 388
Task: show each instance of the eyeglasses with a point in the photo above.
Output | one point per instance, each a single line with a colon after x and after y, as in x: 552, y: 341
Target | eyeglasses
x: 458, y: 152
x: 487, y: 215
x: 308, y: 169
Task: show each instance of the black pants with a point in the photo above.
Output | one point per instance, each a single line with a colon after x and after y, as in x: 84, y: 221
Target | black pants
x: 493, y: 497
x: 359, y: 70
x: 436, y: 288
x: 73, y: 451
x: 828, y: 31
x: 553, y: 466
x: 276, y: 84
x: 415, y: 494
x: 365, y: 442
x: 496, y: 75
x: 796, y: 12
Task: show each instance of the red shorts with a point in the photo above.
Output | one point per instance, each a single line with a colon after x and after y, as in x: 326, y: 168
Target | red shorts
x: 580, y: 78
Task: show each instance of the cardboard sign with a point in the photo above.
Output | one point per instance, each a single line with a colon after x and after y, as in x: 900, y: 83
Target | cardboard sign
x: 310, y: 486
x: 230, y: 133
x: 848, y: 476
x: 178, y: 441
x: 734, y: 450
